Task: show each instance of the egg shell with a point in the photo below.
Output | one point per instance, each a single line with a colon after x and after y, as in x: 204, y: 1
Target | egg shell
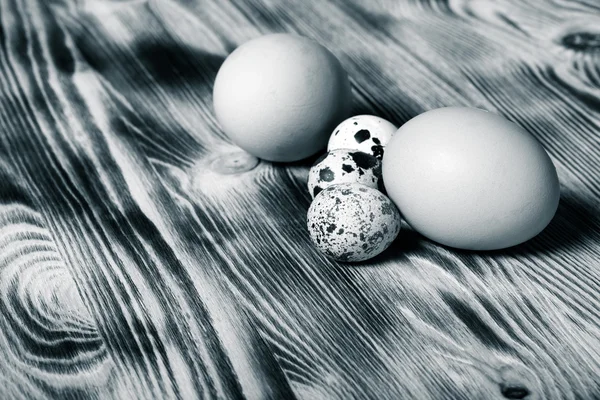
x: 366, y: 133
x: 279, y: 96
x: 352, y: 222
x: 470, y: 179
x: 344, y: 166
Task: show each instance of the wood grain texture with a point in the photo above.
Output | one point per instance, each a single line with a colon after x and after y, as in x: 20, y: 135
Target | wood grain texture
x: 130, y: 268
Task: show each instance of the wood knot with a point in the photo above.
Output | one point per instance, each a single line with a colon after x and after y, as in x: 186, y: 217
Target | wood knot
x: 514, y: 392
x: 227, y: 170
x: 516, y: 382
x: 233, y: 162
x: 581, y: 41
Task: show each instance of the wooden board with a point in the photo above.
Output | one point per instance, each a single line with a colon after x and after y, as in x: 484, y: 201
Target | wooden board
x: 131, y: 269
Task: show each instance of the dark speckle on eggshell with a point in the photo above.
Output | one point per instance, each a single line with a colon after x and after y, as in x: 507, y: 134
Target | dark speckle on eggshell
x: 362, y: 135
x: 326, y: 174
x: 387, y: 209
x: 347, y: 167
x: 363, y: 160
x: 377, y: 151
x: 376, y: 237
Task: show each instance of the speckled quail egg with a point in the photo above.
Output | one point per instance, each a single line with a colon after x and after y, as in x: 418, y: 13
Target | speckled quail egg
x: 366, y: 133
x: 344, y: 166
x: 352, y: 222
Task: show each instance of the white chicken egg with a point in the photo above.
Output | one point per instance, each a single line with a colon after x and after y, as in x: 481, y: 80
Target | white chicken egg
x: 344, y: 166
x: 279, y: 96
x: 366, y: 133
x: 352, y: 222
x: 470, y: 179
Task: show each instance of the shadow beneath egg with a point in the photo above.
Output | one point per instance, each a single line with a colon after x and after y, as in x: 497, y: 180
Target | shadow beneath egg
x: 576, y: 220
x: 408, y: 241
x: 305, y: 162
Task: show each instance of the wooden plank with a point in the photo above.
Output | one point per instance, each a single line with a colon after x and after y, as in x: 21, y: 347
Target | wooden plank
x: 131, y: 269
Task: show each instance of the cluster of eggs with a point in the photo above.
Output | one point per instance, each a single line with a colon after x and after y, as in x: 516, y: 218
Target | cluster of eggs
x: 463, y: 177
x: 350, y: 219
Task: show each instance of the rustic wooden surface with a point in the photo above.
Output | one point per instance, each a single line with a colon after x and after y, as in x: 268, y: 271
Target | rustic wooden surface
x: 130, y: 269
